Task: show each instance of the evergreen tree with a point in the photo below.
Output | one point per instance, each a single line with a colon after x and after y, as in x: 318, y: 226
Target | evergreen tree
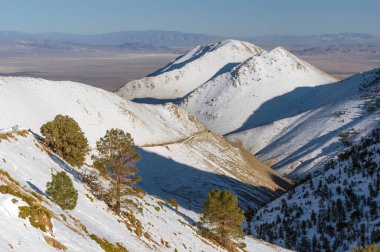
x: 116, y: 152
x: 223, y: 216
x: 62, y: 191
x: 64, y: 136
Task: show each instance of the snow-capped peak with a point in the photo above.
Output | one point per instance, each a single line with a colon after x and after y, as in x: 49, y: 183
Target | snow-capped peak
x: 190, y: 70
x: 226, y: 102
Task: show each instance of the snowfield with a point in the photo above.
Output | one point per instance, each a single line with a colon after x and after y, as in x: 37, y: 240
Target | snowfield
x: 164, y: 227
x: 190, y: 70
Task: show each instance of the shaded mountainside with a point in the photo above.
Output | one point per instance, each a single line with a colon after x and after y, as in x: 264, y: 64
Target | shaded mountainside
x: 309, y: 122
x: 189, y: 71
x: 148, y: 224
x: 335, y: 211
x: 180, y: 158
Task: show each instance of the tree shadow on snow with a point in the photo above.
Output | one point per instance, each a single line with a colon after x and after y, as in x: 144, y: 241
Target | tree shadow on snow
x: 36, y: 189
x: 66, y: 167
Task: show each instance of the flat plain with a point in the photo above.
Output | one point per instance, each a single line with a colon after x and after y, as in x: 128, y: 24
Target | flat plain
x: 111, y: 70
x: 107, y: 71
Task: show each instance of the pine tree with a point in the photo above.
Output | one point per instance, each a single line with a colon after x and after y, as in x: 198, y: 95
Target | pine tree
x: 223, y: 216
x: 62, y: 191
x: 116, y: 152
x: 64, y: 136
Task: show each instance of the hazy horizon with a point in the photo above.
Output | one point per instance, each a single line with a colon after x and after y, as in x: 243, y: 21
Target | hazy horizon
x: 208, y: 34
x: 241, y: 18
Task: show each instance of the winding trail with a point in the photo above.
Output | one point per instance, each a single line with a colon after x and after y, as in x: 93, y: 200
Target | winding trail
x: 181, y: 140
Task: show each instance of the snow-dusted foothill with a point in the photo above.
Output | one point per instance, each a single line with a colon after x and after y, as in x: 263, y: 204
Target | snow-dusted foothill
x: 152, y: 224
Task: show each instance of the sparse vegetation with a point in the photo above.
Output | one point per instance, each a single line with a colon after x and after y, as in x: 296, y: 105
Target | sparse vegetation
x: 39, y: 217
x: 6, y: 174
x: 133, y: 224
x: 54, y: 243
x: 107, y: 246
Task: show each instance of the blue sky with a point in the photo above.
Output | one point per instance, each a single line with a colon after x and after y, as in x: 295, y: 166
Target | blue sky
x: 216, y: 17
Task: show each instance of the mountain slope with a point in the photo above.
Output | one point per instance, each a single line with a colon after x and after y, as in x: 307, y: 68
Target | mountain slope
x: 180, y: 158
x: 150, y: 224
x: 311, y: 121
x: 190, y: 70
x: 227, y: 102
x: 335, y: 211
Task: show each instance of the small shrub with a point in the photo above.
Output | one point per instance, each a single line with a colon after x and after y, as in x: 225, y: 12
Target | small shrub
x: 54, y: 243
x: 9, y: 177
x: 37, y: 196
x: 107, y: 246
x: 89, y: 197
x: 39, y: 216
x: 165, y: 243
x: 133, y: 224
x: 64, y: 136
x: 147, y: 235
x: 173, y: 203
x: 62, y: 191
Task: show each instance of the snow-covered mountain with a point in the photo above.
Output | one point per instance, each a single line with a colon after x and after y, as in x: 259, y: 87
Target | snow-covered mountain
x: 304, y: 127
x: 230, y: 101
x: 150, y: 224
x: 190, y: 70
x: 181, y: 159
x: 335, y: 211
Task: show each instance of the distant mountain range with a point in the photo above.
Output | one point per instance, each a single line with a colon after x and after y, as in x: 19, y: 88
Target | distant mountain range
x: 181, y: 39
x: 154, y: 37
